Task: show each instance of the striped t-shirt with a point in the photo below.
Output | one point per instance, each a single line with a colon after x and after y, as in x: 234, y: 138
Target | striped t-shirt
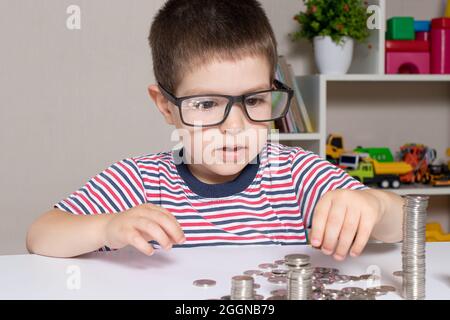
x: 270, y: 202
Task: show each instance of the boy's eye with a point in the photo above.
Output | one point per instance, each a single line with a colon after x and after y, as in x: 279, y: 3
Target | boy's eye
x: 254, y: 101
x: 202, y: 105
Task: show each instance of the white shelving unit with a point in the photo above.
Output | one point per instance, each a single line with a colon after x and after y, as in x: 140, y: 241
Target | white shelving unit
x: 367, y: 73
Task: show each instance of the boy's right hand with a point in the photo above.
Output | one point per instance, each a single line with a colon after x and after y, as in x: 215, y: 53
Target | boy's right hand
x: 140, y: 224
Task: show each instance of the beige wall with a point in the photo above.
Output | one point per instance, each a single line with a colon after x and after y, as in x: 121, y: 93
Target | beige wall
x: 73, y: 102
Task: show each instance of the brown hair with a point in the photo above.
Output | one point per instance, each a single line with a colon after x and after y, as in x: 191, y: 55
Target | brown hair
x: 188, y: 33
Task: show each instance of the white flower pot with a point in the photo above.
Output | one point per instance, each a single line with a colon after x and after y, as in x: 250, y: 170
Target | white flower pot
x: 332, y: 58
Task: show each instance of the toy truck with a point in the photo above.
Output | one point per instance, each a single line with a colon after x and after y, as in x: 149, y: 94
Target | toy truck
x: 380, y: 154
x: 371, y: 171
x: 334, y: 147
x: 438, y: 175
x: 419, y: 157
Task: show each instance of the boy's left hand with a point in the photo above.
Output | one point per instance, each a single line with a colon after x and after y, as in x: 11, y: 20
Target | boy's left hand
x: 343, y: 220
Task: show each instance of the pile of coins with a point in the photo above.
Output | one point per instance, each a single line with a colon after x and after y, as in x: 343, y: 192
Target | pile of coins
x: 298, y: 280
x: 242, y: 288
x: 413, y: 249
x: 299, y: 277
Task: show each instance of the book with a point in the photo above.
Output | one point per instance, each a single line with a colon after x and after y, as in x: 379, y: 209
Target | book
x: 303, y: 110
x: 289, y: 80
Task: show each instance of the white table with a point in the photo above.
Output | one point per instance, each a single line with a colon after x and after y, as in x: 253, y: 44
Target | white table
x: 127, y: 274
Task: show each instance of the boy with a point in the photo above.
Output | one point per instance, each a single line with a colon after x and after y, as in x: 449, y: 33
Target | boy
x: 214, y: 61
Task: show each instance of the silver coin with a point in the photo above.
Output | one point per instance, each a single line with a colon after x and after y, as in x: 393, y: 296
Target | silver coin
x: 253, y: 272
x: 267, y: 274
x: 372, y: 277
x: 334, y: 270
x: 280, y: 271
x: 388, y: 288
x: 376, y: 291
x: 361, y: 297
x: 325, y: 280
x: 319, y: 296
x: 354, y: 278
x: 277, y: 280
x: 398, y: 273
x: 322, y: 270
x: 227, y: 297
x: 279, y: 262
x: 258, y: 297
x: 205, y: 283
x: 267, y: 266
x: 279, y: 292
x: 352, y: 291
x: 341, y: 278
x: 296, y: 259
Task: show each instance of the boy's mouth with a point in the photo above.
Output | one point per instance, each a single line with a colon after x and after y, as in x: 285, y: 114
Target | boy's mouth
x: 231, y: 148
x: 232, y: 153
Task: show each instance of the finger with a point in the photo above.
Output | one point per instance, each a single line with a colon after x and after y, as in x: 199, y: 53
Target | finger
x: 168, y: 222
x: 347, y: 234
x: 153, y: 207
x: 319, y: 220
x: 364, y: 230
x: 154, y: 231
x: 173, y: 229
x: 333, y: 226
x: 135, y: 239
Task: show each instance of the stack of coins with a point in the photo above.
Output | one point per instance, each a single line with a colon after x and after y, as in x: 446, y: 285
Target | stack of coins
x: 413, y: 249
x: 242, y: 288
x: 299, y: 277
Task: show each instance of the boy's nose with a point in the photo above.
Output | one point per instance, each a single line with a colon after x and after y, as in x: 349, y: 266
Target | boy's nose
x: 235, y: 119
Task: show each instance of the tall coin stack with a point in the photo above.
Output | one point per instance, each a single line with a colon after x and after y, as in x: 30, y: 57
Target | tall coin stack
x: 413, y: 249
x: 242, y: 288
x: 299, y: 277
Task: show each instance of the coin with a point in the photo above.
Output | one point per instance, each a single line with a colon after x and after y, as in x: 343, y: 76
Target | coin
x: 205, y: 283
x: 352, y: 290
x: 227, y: 297
x: 398, y: 273
x: 280, y: 271
x: 258, y: 297
x: 277, y: 280
x: 297, y: 258
x: 279, y: 292
x: 413, y: 247
x: 253, y: 272
x: 388, y: 288
x: 279, y: 262
x: 242, y: 287
x: 354, y: 278
x: 267, y: 266
x: 376, y: 291
x: 341, y: 278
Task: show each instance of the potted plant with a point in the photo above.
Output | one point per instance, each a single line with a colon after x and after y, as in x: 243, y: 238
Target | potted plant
x: 332, y: 27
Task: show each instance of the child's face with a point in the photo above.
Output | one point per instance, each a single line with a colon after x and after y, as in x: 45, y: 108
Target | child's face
x: 204, y: 146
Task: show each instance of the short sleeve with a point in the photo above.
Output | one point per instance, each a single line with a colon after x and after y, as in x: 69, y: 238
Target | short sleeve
x: 117, y: 188
x: 313, y: 177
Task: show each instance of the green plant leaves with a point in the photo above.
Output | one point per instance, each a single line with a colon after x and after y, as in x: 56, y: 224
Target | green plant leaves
x: 336, y: 18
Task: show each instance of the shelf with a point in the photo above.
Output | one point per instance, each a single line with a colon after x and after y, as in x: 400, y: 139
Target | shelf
x: 295, y: 136
x: 420, y: 189
x: 388, y: 77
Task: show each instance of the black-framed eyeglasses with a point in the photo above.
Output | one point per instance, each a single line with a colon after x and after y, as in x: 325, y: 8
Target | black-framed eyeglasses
x: 212, y: 109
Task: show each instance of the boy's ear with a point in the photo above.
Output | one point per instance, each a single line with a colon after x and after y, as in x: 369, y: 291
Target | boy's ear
x: 162, y: 103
